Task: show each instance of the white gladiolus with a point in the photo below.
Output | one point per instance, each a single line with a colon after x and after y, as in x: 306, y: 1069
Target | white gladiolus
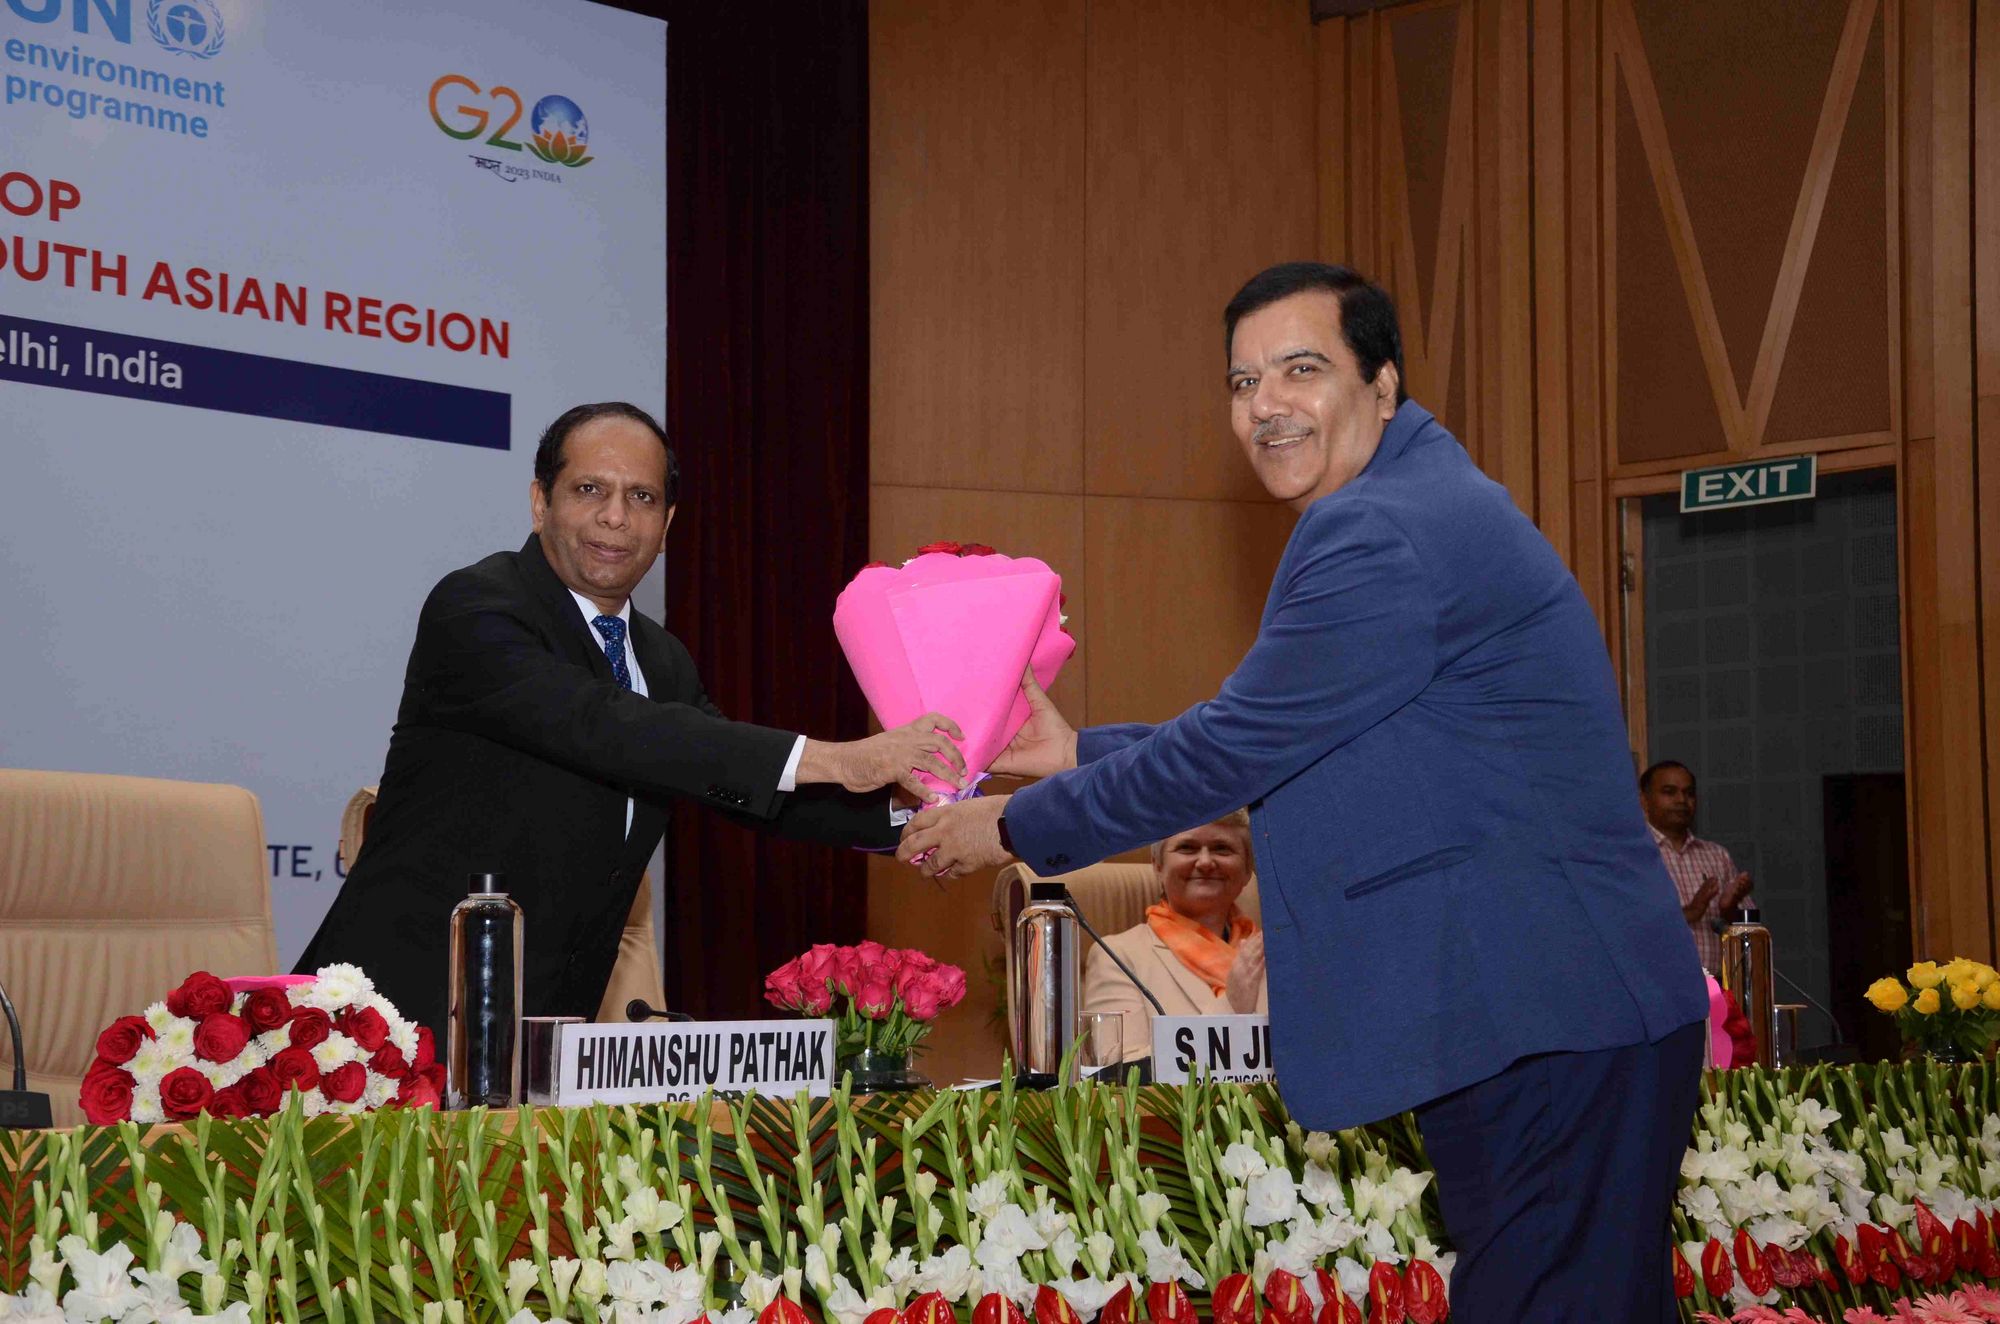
x: 819, y: 1274
x: 1272, y: 1198
x: 846, y: 1305
x: 759, y: 1291
x: 1322, y: 1188
x: 1353, y: 1279
x: 1152, y: 1208
x: 950, y: 1274
x: 103, y: 1281
x: 1063, y: 1252
x: 1242, y: 1162
x: 182, y: 1254
x: 1166, y: 1263
x: 1086, y: 1296
x: 1009, y: 1235
x: 987, y: 1198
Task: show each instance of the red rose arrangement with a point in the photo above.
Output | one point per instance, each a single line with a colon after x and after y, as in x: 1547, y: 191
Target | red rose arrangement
x: 883, y: 999
x: 209, y: 1048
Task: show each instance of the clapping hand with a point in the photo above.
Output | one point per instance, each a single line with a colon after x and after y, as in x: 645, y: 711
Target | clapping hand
x: 1246, y: 974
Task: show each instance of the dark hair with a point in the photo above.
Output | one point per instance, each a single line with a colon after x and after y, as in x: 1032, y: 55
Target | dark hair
x: 1368, y: 322
x: 1646, y: 777
x: 549, y: 451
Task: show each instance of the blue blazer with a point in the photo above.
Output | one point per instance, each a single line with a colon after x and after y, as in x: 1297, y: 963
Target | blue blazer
x: 1454, y: 867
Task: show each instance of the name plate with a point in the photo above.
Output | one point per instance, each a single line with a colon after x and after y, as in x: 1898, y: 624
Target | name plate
x: 1220, y: 1047
x: 671, y: 1061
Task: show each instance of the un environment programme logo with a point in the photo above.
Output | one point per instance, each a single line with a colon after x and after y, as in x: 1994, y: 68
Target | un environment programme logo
x: 558, y: 134
x: 186, y: 27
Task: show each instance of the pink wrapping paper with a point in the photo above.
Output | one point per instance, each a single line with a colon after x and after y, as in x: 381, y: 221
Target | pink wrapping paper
x: 954, y: 634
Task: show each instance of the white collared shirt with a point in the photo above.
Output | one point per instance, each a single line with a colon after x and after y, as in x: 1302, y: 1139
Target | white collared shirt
x: 787, y: 781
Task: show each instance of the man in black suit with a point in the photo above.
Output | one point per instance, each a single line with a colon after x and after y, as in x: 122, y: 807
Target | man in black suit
x: 544, y: 724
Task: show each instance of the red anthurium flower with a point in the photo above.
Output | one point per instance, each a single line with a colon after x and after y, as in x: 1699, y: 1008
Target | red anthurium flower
x: 1716, y: 1275
x: 1683, y: 1275
x: 1935, y: 1239
x: 1965, y: 1244
x: 1118, y: 1310
x: 1350, y: 1310
x: 1752, y: 1264
x: 1287, y: 1295
x: 886, y: 1315
x: 1823, y: 1272
x: 1423, y: 1294
x: 1235, y: 1300
x: 1385, y: 1295
x: 996, y: 1309
x: 930, y: 1308
x: 1167, y: 1303
x: 784, y: 1310
x: 1791, y: 1269
x: 1851, y: 1262
x: 1052, y: 1307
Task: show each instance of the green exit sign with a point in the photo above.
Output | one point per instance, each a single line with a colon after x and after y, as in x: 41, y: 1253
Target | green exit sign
x: 1794, y: 478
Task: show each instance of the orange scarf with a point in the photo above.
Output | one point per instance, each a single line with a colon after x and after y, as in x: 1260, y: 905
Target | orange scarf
x: 1195, y: 945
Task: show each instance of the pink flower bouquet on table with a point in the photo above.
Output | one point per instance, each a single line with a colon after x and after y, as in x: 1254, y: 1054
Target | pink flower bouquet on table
x: 884, y: 1000
x: 953, y: 631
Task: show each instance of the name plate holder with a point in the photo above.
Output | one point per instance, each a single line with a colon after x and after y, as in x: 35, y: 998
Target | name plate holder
x: 1236, y: 1048
x: 566, y: 1062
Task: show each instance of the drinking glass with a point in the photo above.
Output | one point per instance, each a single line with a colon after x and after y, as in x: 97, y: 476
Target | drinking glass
x: 1100, y: 1042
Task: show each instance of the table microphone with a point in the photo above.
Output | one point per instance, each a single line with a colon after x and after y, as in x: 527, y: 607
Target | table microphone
x: 638, y: 1009
x: 20, y: 1108
x: 1145, y: 992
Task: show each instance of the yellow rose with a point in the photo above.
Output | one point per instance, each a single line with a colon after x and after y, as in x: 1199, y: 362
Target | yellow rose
x: 1991, y: 997
x: 1957, y: 970
x: 1889, y: 995
x: 1965, y: 996
x: 1925, y: 974
x: 1927, y: 1001
x: 1984, y: 975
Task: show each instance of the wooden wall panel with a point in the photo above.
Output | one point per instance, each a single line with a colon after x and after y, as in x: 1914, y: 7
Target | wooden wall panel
x: 976, y: 257
x: 1179, y: 587
x: 1200, y: 171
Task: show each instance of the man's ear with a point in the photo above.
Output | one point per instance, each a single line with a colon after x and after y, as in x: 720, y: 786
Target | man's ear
x: 1387, y: 379
x: 668, y: 524
x: 538, y: 502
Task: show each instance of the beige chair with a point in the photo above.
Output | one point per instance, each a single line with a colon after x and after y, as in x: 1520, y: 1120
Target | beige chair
x: 637, y: 972
x: 1111, y: 897
x: 113, y: 890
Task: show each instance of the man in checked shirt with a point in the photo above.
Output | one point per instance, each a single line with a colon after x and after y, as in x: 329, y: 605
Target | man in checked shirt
x: 1710, y: 885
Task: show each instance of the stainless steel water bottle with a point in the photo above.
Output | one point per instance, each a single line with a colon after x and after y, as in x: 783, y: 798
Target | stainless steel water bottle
x: 1042, y: 983
x: 483, y: 1066
x: 1746, y: 972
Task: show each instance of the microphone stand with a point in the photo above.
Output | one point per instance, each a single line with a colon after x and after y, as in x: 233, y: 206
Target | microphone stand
x: 638, y: 1009
x: 20, y: 1108
x: 1144, y: 992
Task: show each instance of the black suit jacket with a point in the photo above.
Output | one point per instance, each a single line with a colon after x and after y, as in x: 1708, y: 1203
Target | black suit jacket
x: 514, y: 752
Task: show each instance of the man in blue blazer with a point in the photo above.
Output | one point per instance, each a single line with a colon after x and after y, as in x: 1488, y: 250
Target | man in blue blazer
x: 1465, y: 914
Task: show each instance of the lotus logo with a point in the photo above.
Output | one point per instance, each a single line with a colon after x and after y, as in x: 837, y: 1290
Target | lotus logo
x: 562, y: 135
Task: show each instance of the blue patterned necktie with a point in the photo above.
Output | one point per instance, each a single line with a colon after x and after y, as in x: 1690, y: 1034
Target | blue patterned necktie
x: 613, y: 631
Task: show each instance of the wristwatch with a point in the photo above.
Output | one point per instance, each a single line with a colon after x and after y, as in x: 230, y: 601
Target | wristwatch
x: 1006, y: 841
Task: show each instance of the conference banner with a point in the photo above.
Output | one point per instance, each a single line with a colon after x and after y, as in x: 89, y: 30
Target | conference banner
x: 288, y: 291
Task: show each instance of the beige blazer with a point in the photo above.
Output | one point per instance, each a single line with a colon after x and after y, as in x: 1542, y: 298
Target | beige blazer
x: 1180, y: 990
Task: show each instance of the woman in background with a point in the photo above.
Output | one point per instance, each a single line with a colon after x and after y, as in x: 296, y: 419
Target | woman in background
x: 1197, y: 952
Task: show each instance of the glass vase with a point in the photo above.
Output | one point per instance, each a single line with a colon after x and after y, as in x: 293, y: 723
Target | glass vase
x: 876, y: 1072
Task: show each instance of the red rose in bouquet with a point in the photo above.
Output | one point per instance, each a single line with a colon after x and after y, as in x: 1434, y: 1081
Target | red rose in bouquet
x: 107, y: 1095
x: 200, y: 994
x: 365, y: 1026
x: 183, y: 1093
x: 344, y: 1084
x: 266, y: 1009
x: 220, y: 1037
x: 122, y: 1038
x: 243, y: 1048
x: 310, y: 1027
x: 294, y: 1068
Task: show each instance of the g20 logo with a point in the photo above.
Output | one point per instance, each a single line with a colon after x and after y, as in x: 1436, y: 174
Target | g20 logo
x: 560, y: 135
